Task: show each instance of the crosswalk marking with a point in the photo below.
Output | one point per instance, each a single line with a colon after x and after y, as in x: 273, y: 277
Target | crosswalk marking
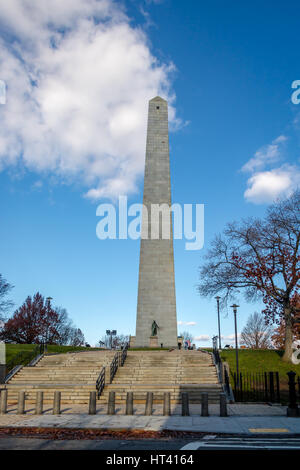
x: 192, y: 446
x: 244, y: 443
x: 268, y: 430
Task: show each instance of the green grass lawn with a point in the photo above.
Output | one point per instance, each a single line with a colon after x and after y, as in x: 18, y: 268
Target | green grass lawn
x: 263, y: 360
x: 12, y: 350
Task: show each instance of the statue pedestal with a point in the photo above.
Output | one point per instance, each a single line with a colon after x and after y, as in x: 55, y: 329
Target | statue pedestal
x: 153, y: 342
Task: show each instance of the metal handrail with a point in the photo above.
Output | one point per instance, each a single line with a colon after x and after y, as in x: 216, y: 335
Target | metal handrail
x: 100, y: 383
x: 123, y: 355
x: 114, y: 366
x: 218, y: 364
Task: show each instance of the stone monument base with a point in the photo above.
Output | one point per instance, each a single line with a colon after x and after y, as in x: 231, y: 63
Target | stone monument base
x: 153, y: 343
x: 132, y: 341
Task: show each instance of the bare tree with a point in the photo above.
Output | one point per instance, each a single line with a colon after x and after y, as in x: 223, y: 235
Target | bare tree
x: 115, y: 341
x: 77, y: 337
x: 260, y: 258
x: 187, y: 336
x: 5, y: 304
x: 66, y: 326
x: 256, y: 333
x: 120, y: 340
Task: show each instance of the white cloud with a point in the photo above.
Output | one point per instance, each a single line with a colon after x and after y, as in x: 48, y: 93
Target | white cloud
x: 266, y: 186
x: 187, y: 323
x: 78, y: 77
x: 265, y: 155
x: 266, y: 183
x: 202, y: 338
x: 230, y: 339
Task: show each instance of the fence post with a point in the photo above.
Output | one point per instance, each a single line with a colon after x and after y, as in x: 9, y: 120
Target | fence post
x: 292, y: 410
x: 204, y: 404
x: 21, y: 403
x: 185, y: 404
x: 129, y: 403
x: 241, y: 386
x: 3, y: 402
x: 235, y: 387
x: 149, y: 404
x: 167, y: 404
x: 272, y: 391
x: 56, y: 403
x: 92, y: 403
x: 111, y: 408
x: 39, y: 403
x: 266, y: 388
x: 277, y: 387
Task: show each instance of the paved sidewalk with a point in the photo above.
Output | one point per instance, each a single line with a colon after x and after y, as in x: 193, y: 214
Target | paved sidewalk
x: 212, y: 424
x: 242, y: 419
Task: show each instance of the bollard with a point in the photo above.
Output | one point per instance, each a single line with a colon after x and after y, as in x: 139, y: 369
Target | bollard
x: 149, y: 404
x: 111, y: 404
x: 223, y: 405
x: 204, y: 404
x: 185, y: 404
x: 21, y: 403
x: 39, y: 403
x: 129, y: 403
x: 167, y: 404
x: 292, y: 409
x: 3, y: 402
x: 92, y: 403
x: 56, y: 403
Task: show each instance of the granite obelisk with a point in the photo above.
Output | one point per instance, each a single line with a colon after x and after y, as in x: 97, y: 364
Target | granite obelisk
x: 156, y: 323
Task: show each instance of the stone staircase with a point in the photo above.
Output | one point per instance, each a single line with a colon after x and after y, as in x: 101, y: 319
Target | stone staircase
x: 162, y: 371
x: 74, y: 374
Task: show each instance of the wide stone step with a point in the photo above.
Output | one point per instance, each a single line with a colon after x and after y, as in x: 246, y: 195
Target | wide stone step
x: 41, y: 385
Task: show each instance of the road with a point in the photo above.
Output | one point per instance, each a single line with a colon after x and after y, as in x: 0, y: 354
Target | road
x: 208, y: 443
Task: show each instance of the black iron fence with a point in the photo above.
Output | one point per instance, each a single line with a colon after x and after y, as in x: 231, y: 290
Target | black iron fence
x: 257, y: 387
x: 263, y: 386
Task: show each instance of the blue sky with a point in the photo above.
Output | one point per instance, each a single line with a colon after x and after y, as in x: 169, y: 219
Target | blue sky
x: 73, y: 135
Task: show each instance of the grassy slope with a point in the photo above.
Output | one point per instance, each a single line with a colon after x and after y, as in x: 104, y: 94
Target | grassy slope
x: 13, y: 349
x: 254, y: 360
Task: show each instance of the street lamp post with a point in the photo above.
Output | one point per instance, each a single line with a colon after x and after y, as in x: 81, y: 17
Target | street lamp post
x: 235, y: 307
x: 219, y: 326
x: 111, y: 333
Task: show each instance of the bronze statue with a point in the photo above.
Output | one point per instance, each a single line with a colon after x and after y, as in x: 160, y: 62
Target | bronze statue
x: 154, y: 328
